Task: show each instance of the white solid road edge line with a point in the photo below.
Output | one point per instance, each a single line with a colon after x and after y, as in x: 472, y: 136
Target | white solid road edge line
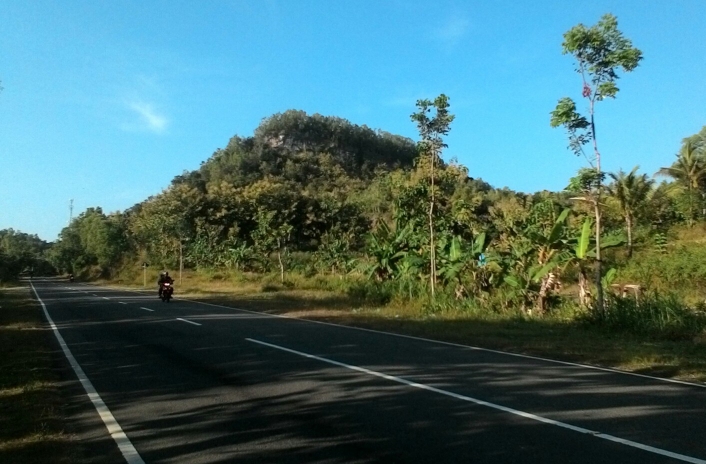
x: 459, y: 345
x: 184, y: 320
x: 516, y: 412
x: 124, y: 444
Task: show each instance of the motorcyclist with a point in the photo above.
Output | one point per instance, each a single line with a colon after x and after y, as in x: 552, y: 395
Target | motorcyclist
x: 71, y: 277
x: 163, y: 277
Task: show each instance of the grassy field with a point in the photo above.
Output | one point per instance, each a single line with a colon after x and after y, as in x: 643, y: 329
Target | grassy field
x: 558, y: 337
x: 31, y: 421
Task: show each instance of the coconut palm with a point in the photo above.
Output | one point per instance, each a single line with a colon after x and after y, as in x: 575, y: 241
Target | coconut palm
x: 689, y: 171
x: 630, y: 190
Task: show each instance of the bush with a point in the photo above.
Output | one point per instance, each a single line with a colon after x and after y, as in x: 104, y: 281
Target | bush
x: 447, y: 303
x: 682, y: 270
x: 268, y: 288
x: 371, y: 293
x: 654, y: 315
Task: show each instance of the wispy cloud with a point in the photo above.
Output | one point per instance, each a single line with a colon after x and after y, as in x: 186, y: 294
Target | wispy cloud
x: 452, y: 31
x: 149, y: 119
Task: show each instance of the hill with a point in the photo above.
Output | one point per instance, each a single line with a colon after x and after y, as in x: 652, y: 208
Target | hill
x: 300, y: 148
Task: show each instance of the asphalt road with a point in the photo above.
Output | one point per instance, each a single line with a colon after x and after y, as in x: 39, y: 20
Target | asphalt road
x: 188, y: 382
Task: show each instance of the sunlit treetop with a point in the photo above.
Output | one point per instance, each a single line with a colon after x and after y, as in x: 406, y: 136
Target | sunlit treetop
x: 599, y: 51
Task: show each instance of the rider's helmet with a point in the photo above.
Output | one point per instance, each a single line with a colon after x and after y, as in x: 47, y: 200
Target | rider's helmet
x: 166, y: 274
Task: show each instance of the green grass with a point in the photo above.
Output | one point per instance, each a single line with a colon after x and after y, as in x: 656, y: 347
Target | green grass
x: 681, y: 268
x: 31, y: 422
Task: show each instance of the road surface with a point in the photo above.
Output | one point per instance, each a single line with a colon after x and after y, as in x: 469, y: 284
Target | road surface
x: 189, y: 382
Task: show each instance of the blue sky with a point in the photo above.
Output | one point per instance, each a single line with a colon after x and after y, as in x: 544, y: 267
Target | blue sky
x: 105, y: 102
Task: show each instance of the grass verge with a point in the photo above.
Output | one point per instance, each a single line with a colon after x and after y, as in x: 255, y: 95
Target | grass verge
x: 31, y: 423
x: 560, y: 337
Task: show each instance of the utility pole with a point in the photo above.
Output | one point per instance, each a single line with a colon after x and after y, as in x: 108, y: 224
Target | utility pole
x: 71, y: 210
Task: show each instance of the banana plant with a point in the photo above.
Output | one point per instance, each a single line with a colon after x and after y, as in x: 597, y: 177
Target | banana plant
x: 583, y: 253
x: 334, y: 250
x: 533, y: 282
x: 409, y: 273
x: 386, y: 248
x: 238, y: 255
x: 534, y: 262
x: 458, y: 258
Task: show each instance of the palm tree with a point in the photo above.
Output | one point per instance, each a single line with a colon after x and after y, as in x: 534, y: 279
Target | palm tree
x: 630, y: 190
x: 689, y: 171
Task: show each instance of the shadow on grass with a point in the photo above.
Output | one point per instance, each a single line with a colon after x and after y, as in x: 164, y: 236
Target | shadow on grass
x: 30, y: 420
x: 43, y: 409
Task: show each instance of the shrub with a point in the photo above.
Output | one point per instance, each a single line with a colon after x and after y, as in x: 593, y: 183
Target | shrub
x: 371, y: 293
x: 654, y: 315
x: 682, y: 270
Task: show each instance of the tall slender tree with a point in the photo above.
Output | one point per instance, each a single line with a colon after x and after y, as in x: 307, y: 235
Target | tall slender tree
x: 689, y: 171
x: 599, y: 52
x: 431, y: 131
x: 630, y: 190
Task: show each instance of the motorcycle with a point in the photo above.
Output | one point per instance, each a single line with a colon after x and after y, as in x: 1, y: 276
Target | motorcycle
x: 166, y: 292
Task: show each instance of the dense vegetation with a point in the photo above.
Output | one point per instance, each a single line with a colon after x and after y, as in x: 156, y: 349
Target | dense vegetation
x: 20, y: 252
x: 294, y: 200
x: 318, y: 196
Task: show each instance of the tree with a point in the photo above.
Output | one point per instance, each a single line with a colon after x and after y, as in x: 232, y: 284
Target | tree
x: 431, y: 131
x: 698, y: 140
x: 20, y: 251
x: 630, y: 191
x: 273, y: 234
x: 689, y: 171
x: 599, y: 51
x: 166, y: 222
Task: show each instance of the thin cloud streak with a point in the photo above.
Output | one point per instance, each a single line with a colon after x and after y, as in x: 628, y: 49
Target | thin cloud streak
x: 453, y: 31
x: 149, y: 118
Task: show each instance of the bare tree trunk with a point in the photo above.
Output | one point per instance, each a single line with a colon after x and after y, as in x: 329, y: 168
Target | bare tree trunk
x: 281, y: 264
x: 597, y: 206
x: 431, y: 227
x: 181, y: 260
x: 545, y: 290
x: 691, y: 207
x: 628, y: 220
x: 598, y: 266
x: 584, y: 294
